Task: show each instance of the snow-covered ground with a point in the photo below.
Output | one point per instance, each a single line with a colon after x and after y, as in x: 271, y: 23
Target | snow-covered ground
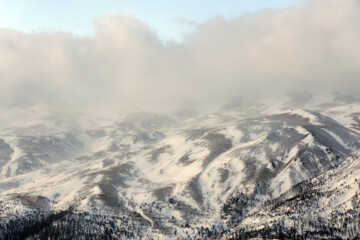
x: 176, y: 175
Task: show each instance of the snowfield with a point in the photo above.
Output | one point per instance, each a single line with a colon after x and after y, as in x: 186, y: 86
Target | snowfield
x: 155, y: 176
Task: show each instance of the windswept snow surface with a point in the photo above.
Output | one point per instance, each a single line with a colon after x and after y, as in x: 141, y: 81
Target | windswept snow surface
x: 159, y: 176
x: 326, y: 206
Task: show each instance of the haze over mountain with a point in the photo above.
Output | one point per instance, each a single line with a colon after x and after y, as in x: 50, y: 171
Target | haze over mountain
x: 310, y: 47
x: 249, y: 127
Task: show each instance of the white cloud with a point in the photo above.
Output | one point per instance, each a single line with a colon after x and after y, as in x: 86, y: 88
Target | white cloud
x: 313, y: 47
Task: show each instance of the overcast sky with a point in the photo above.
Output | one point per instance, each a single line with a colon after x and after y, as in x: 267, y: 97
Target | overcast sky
x: 127, y: 60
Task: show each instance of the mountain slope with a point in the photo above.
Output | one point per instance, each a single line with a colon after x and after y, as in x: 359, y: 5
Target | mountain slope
x: 148, y: 175
x: 327, y: 206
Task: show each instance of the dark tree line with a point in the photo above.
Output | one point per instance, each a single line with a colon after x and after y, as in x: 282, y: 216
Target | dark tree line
x: 68, y: 225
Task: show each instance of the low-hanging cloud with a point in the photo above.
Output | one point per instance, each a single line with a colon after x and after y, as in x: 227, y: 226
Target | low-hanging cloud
x: 311, y: 47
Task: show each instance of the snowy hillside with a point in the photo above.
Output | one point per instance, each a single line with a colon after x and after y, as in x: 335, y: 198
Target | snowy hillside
x: 327, y: 206
x: 149, y: 175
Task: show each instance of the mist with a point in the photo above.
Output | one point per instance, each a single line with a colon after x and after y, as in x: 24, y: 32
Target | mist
x: 312, y: 47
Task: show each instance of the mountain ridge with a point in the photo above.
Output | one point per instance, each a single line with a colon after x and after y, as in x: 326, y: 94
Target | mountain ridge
x: 145, y: 176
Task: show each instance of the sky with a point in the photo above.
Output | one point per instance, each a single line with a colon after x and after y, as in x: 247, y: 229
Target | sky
x: 233, y: 50
x: 170, y: 19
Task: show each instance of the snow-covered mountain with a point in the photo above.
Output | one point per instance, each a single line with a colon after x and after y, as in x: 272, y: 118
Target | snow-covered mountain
x: 327, y: 206
x: 155, y: 176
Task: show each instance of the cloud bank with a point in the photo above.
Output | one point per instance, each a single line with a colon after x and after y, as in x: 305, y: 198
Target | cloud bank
x: 310, y: 47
